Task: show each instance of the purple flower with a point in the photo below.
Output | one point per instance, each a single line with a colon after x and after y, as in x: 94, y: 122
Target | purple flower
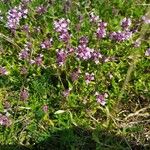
x: 14, y: 16
x: 64, y: 36
x: 61, y: 57
x: 46, y: 44
x: 4, y: 120
x: 101, y: 31
x: 24, y: 94
x: 84, y: 52
x: 102, y: 24
x: 124, y: 35
x: 147, y: 53
x: 101, y: 98
x: 62, y: 27
x: 117, y: 36
x: 24, y: 54
x: 38, y: 60
x: 3, y: 71
x: 93, y: 17
x: 128, y: 34
x: 40, y: 10
x: 89, y: 77
x: 125, y: 23
x: 96, y: 56
x: 26, y: 28
x: 121, y: 36
x: 83, y: 40
x: 23, y: 11
x: 45, y: 108
x: 70, y: 50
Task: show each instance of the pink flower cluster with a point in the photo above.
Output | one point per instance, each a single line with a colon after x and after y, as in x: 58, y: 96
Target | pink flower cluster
x: 62, y: 27
x: 14, y: 16
x: 96, y: 56
x: 125, y: 23
x: 3, y: 71
x: 93, y: 17
x: 45, y: 108
x: 24, y: 54
x: 101, y: 98
x: 125, y: 34
x: 86, y: 53
x: 121, y: 36
x: 101, y: 31
x: 40, y: 10
x: 37, y: 60
x: 61, y: 56
x: 4, y: 120
x: 89, y: 77
x: 46, y: 44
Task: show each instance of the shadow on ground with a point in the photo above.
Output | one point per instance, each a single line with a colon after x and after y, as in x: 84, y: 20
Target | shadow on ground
x: 81, y: 139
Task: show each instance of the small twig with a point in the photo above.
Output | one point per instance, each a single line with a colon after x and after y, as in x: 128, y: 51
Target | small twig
x: 137, y: 113
x: 137, y: 122
x: 93, y: 118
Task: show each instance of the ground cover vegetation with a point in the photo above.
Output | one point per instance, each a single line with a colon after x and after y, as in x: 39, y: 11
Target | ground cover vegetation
x: 75, y: 74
